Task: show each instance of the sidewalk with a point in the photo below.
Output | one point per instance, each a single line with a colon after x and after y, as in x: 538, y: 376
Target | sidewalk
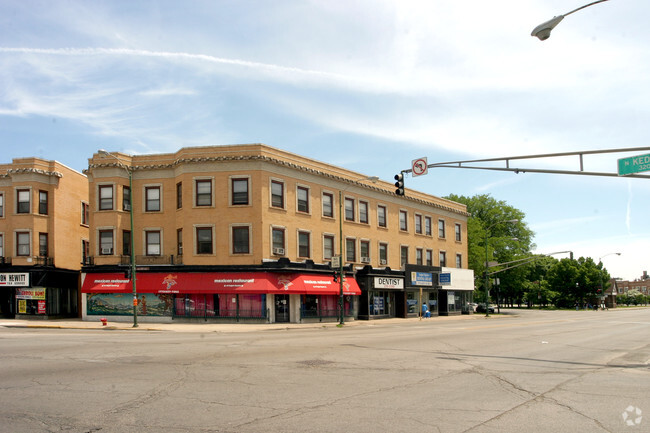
x: 96, y: 324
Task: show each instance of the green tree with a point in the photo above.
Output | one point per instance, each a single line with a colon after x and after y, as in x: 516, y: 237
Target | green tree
x: 505, y: 241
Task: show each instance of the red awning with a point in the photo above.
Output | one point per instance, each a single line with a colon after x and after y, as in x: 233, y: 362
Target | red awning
x: 106, y: 283
x: 218, y: 282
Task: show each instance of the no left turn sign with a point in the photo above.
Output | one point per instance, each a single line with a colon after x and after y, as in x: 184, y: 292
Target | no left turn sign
x: 419, y: 166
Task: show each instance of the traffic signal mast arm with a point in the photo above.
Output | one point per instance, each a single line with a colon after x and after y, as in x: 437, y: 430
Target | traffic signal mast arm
x: 525, y: 261
x: 475, y: 164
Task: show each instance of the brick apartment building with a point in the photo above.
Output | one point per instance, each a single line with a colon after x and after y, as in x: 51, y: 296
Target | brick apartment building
x: 248, y: 232
x: 43, y: 236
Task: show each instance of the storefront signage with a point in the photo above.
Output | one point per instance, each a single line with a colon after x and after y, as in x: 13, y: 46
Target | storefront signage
x: 41, y: 307
x: 389, y: 283
x: 14, y: 279
x: 37, y: 293
x: 445, y: 279
x: 422, y: 279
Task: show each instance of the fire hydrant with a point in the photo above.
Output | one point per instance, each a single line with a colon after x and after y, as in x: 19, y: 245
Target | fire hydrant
x: 104, y: 321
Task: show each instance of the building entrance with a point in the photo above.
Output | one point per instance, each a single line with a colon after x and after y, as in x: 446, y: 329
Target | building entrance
x: 282, y: 308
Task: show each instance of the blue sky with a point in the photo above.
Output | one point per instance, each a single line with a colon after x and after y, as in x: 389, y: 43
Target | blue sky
x: 366, y: 84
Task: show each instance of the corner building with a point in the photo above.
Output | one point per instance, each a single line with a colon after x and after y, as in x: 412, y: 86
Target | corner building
x: 248, y: 232
x: 43, y: 238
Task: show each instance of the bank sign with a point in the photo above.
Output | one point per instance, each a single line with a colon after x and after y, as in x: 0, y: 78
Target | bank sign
x: 389, y: 283
x: 14, y: 280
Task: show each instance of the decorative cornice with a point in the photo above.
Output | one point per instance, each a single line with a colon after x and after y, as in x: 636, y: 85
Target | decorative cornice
x: 33, y: 170
x: 275, y: 161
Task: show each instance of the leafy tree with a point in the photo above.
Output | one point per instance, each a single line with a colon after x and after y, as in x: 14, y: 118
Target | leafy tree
x: 505, y: 241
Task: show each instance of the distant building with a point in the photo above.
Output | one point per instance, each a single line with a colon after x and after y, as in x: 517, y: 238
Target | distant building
x: 43, y: 238
x: 622, y: 287
x: 248, y: 232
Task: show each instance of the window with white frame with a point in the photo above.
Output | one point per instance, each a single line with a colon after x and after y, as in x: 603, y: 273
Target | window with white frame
x: 328, y: 247
x: 241, y: 239
x: 105, y: 242
x: 304, y: 247
x: 105, y: 197
x: 126, y: 198
x: 153, y: 242
x: 328, y: 205
x: 364, y: 251
x: 418, y: 224
x: 239, y: 192
x: 381, y: 216
x: 302, y: 199
x: 351, y: 250
x: 204, y: 240
x: 203, y: 192
x: 152, y: 199
x: 349, y: 209
x: 23, y: 203
x: 458, y: 232
x: 277, y: 194
x: 403, y: 220
x: 441, y: 228
x: 427, y: 225
x: 23, y: 242
x: 363, y: 212
x: 278, y: 240
x: 383, y: 253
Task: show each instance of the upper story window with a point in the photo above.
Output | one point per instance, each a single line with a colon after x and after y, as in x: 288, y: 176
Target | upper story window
x: 459, y: 261
x: 106, y: 242
x: 2, y: 246
x: 458, y: 232
x: 443, y: 258
x: 42, y: 202
x: 364, y: 251
x: 429, y: 254
x: 441, y: 229
x: 277, y: 194
x: 351, y: 250
x: 302, y: 197
x: 126, y: 198
x: 85, y: 214
x: 42, y: 245
x: 204, y: 240
x: 23, y: 203
x: 383, y: 253
x: 203, y: 192
x: 179, y: 195
x: 349, y: 209
x: 179, y: 242
x: 239, y: 192
x: 2, y: 205
x: 403, y: 220
x: 381, y: 216
x: 105, y: 197
x: 404, y: 255
x: 419, y: 256
x: 328, y: 247
x: 152, y: 198
x: 328, y: 205
x: 363, y: 212
x: 23, y: 241
x: 241, y: 240
x: 418, y: 224
x: 277, y: 239
x: 154, y: 246
x: 304, y: 244
x: 427, y: 225
x: 126, y: 242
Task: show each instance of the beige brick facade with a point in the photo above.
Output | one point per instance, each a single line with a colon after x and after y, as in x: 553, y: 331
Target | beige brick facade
x: 237, y: 196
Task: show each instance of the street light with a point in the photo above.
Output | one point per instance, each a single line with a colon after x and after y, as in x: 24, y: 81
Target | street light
x: 373, y: 179
x: 543, y: 31
x: 487, y: 287
x: 129, y: 171
x: 600, y: 262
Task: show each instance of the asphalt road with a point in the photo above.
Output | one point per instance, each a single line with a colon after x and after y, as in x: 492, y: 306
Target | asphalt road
x: 527, y: 371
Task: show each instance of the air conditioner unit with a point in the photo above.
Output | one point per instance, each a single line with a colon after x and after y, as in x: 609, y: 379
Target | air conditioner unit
x: 365, y: 259
x: 107, y: 251
x: 383, y: 262
x: 278, y: 251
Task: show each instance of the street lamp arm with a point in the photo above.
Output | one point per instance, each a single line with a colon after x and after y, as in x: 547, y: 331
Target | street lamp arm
x: 543, y: 31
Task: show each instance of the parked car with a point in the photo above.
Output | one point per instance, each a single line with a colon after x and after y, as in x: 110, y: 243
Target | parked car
x: 480, y: 308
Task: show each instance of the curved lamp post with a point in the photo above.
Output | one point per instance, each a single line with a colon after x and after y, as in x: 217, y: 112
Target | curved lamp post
x: 129, y: 171
x: 373, y: 179
x: 600, y: 261
x: 543, y: 31
x: 487, y: 286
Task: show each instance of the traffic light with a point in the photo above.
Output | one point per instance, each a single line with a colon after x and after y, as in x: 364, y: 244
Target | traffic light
x: 399, y: 184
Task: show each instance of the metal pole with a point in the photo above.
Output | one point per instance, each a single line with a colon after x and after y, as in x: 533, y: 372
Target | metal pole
x: 133, y: 267
x: 487, y: 287
x: 341, y: 321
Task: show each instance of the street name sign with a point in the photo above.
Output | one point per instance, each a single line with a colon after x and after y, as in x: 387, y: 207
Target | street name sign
x: 633, y: 164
